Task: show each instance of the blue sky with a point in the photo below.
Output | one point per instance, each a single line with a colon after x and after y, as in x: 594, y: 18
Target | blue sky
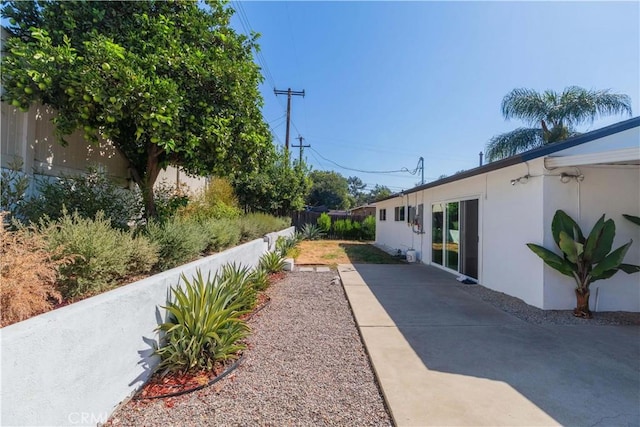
x: 388, y: 82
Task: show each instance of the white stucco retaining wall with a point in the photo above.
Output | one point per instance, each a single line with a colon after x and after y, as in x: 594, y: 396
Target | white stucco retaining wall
x: 74, y: 365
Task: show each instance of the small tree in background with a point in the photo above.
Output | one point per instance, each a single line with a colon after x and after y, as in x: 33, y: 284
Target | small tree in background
x: 276, y: 187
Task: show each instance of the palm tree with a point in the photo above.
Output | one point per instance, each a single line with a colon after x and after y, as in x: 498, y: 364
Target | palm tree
x: 557, y: 114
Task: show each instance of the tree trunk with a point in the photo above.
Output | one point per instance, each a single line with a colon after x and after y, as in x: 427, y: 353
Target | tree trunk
x: 147, y: 178
x: 582, y: 306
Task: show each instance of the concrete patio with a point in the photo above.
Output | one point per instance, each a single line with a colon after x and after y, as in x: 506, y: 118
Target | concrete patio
x: 445, y: 357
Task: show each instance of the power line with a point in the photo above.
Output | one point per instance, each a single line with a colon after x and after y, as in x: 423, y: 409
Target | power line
x: 412, y: 172
x: 278, y: 118
x: 318, y: 160
x: 246, y: 25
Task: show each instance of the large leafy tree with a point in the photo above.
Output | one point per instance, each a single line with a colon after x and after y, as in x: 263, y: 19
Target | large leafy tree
x: 168, y: 82
x: 552, y: 116
x: 329, y: 189
x: 277, y: 187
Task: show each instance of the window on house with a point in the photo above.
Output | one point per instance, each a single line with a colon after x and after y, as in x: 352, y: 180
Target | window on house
x: 383, y: 214
x: 399, y: 213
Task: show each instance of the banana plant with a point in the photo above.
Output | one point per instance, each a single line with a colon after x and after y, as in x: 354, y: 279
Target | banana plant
x: 634, y: 219
x: 585, y: 259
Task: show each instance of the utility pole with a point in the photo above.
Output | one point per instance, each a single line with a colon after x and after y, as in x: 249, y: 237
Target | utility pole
x: 299, y: 138
x: 288, y: 92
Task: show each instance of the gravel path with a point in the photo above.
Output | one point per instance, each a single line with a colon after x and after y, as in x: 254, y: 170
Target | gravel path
x: 305, y: 366
x: 521, y: 310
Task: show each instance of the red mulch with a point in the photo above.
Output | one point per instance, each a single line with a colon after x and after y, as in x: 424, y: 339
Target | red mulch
x: 159, y: 386
x: 276, y: 277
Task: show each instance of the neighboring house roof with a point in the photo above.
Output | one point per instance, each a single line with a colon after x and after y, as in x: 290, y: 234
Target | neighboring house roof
x: 529, y: 155
x: 369, y: 205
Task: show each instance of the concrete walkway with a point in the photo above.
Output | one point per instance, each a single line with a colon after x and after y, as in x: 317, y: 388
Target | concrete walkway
x: 443, y: 357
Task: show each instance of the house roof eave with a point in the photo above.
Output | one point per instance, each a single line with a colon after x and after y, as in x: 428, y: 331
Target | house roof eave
x: 527, y: 155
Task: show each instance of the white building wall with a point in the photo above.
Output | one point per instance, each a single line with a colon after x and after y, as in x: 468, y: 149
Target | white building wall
x: 390, y: 234
x: 509, y: 217
x: 512, y: 217
x: 178, y: 178
x: 609, y: 190
x: 29, y: 138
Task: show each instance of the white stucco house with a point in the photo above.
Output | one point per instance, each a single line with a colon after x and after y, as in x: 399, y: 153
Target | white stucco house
x: 476, y: 223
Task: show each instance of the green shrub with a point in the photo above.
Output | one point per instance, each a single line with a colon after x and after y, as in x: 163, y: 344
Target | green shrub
x: 169, y: 199
x: 86, y: 194
x: 203, y: 325
x: 257, y: 224
x: 271, y: 262
x: 369, y: 228
x: 343, y: 228
x: 221, y: 233
x: 324, y: 222
x: 179, y: 241
x: 144, y: 255
x: 13, y: 185
x: 311, y: 232
x: 102, y: 255
x: 356, y: 230
x: 217, y: 201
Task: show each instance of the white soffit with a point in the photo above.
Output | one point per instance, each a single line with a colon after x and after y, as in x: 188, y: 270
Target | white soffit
x: 627, y: 156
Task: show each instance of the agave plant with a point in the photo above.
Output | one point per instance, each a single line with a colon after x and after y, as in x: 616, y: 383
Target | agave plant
x: 271, y: 262
x: 203, y: 325
x: 585, y: 259
x: 285, y: 246
x: 238, y: 278
x: 312, y: 232
x: 259, y: 279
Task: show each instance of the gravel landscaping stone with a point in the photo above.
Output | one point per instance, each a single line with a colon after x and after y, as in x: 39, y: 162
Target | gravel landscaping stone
x: 305, y: 366
x: 523, y: 311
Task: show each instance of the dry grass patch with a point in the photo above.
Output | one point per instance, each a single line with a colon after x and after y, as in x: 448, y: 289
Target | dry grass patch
x: 334, y: 252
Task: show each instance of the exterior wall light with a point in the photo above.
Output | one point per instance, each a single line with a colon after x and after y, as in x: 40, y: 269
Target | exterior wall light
x: 565, y: 178
x: 521, y: 180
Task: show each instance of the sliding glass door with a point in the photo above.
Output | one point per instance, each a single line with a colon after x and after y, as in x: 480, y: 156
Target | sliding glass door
x: 454, y: 236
